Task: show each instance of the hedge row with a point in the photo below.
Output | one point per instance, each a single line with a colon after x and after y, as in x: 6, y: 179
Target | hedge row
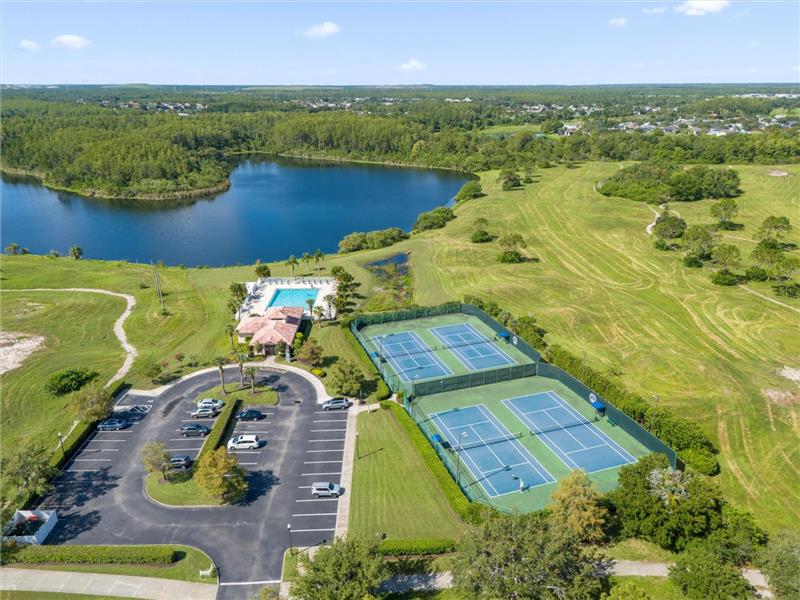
x: 458, y: 501
x: 692, y: 444
x: 382, y: 391
x: 422, y: 547
x: 222, y: 424
x: 89, y: 555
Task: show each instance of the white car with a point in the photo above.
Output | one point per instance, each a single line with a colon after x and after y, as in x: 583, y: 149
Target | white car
x: 244, y: 442
x: 326, y: 489
x: 211, y: 403
x: 204, y: 412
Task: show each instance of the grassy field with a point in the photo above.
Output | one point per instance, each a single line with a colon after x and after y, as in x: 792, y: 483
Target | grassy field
x: 180, y: 490
x: 78, y: 333
x: 263, y: 396
x: 507, y: 130
x: 187, y: 567
x: 600, y: 288
x: 393, y: 491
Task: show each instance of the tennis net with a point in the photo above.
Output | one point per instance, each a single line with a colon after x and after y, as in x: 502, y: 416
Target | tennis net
x: 490, y: 441
x: 560, y: 426
x: 399, y: 353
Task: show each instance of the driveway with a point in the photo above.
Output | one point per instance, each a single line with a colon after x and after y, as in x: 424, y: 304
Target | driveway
x: 100, y: 497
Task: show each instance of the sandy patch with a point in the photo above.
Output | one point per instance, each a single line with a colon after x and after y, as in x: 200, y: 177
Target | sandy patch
x: 778, y: 173
x: 790, y: 373
x: 781, y: 397
x: 16, y: 347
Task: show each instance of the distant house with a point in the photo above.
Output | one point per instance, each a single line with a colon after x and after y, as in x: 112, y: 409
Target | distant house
x: 263, y: 334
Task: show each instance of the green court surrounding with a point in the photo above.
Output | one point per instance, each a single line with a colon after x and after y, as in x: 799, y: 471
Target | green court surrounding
x: 492, y: 397
x: 433, y: 347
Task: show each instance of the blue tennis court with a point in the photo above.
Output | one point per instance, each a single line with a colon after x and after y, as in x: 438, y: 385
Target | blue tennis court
x: 410, y: 357
x: 473, y: 349
x: 497, y: 460
x: 570, y: 435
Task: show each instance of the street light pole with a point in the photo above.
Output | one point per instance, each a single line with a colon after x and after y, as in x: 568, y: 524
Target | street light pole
x: 61, y: 443
x: 291, y: 546
x: 656, y: 398
x: 358, y: 454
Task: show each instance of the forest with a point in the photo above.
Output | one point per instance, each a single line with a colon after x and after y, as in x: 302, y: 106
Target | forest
x: 73, y: 140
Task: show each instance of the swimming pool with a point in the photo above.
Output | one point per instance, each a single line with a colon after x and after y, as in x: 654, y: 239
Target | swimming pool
x: 293, y: 297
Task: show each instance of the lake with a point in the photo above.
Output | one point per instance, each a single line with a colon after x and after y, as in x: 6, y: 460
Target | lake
x: 274, y: 208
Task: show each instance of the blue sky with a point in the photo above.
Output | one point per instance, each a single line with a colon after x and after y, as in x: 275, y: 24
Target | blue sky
x: 399, y: 43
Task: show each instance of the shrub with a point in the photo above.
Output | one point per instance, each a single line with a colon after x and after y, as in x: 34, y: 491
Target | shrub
x: 434, y: 219
x: 90, y: 555
x: 692, y: 261
x: 422, y: 547
x: 788, y: 290
x: 371, y: 240
x: 699, y: 573
x: 725, y: 277
x: 68, y: 380
x: 222, y: 424
x: 660, y: 244
x: 469, y: 191
x: 510, y: 257
x: 701, y: 460
x: 480, y: 236
x: 756, y: 274
x: 318, y: 372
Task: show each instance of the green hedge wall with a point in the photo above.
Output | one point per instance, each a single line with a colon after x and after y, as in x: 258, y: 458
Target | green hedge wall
x: 458, y: 501
x: 89, y: 555
x: 222, y: 424
x: 421, y: 547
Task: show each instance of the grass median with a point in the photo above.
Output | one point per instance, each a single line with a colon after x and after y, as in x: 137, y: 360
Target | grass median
x: 180, y: 488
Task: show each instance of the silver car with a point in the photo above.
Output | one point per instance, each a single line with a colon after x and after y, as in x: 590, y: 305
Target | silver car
x: 326, y: 489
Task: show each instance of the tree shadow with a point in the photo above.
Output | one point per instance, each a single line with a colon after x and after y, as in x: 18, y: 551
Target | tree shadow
x: 72, y: 525
x: 260, y: 484
x: 76, y: 489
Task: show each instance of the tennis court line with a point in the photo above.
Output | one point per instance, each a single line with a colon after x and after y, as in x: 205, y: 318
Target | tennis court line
x: 421, y: 348
x: 495, y: 346
x: 459, y: 354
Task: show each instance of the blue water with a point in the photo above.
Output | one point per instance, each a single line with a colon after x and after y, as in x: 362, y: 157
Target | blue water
x: 273, y: 208
x: 292, y: 297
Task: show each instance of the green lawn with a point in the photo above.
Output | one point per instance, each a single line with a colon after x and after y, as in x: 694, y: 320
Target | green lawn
x: 180, y: 490
x: 393, y: 491
x: 187, y: 568
x: 78, y: 332
x: 498, y: 130
x: 659, y: 588
x: 263, y: 396
x: 601, y: 288
x: 635, y: 549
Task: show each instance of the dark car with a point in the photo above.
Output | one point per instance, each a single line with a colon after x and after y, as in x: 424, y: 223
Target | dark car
x: 194, y: 430
x: 180, y: 462
x: 250, y: 414
x: 113, y: 425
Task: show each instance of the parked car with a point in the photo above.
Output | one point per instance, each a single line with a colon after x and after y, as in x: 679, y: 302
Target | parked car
x: 113, y: 425
x: 326, y: 489
x: 180, y: 462
x: 244, y: 442
x: 250, y: 414
x: 336, y: 403
x: 211, y: 403
x: 204, y: 412
x: 194, y: 430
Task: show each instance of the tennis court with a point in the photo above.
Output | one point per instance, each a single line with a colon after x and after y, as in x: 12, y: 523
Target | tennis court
x: 409, y: 356
x: 571, y: 436
x: 494, y: 456
x: 471, y: 347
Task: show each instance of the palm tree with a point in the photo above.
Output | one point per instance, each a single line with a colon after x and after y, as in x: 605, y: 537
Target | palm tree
x: 241, y: 358
x: 76, y: 252
x: 12, y: 248
x: 310, y: 304
x: 230, y: 330
x: 329, y: 301
x: 318, y: 258
x: 250, y: 372
x: 318, y: 312
x: 291, y: 262
x: 219, y: 362
x: 306, y: 258
x: 263, y: 270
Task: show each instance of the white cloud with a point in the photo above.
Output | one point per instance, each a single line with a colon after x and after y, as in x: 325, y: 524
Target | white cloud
x: 412, y: 65
x: 658, y: 10
x: 68, y: 40
x: 698, y: 8
x: 28, y: 45
x: 618, y: 22
x: 321, y: 30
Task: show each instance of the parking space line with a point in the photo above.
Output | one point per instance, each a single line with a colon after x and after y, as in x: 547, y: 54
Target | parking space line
x: 322, y: 412
x: 91, y: 459
x: 324, y: 430
x: 318, y: 500
x: 315, y: 515
x: 262, y: 432
x: 314, y: 474
x: 180, y: 439
x: 183, y: 449
x: 195, y: 420
x: 320, y: 462
x: 248, y: 464
x: 309, y: 530
x: 101, y: 450
x: 81, y: 471
x: 336, y: 440
x: 331, y: 421
x: 331, y: 450
x: 237, y: 452
x: 104, y: 441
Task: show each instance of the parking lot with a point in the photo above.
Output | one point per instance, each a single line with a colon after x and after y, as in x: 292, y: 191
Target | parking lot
x: 100, y: 496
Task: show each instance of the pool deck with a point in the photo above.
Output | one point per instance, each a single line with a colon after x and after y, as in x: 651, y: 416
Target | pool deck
x: 260, y: 293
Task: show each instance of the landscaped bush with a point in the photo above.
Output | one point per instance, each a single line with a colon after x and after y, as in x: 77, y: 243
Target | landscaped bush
x: 480, y: 236
x: 510, y: 257
x: 701, y: 460
x: 788, y: 289
x: 756, y: 274
x: 692, y: 262
x: 458, y: 501
x: 68, y: 380
x: 434, y: 219
x: 421, y: 547
x: 89, y: 555
x: 318, y: 372
x: 222, y: 424
x: 725, y: 277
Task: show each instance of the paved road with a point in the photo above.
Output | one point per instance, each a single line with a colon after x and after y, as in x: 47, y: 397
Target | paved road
x: 101, y: 500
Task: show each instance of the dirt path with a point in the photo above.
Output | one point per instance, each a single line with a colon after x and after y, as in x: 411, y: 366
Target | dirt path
x: 119, y: 331
x: 767, y: 298
x: 663, y: 207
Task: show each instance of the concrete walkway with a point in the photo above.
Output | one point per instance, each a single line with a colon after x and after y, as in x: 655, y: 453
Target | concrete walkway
x: 125, y: 586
